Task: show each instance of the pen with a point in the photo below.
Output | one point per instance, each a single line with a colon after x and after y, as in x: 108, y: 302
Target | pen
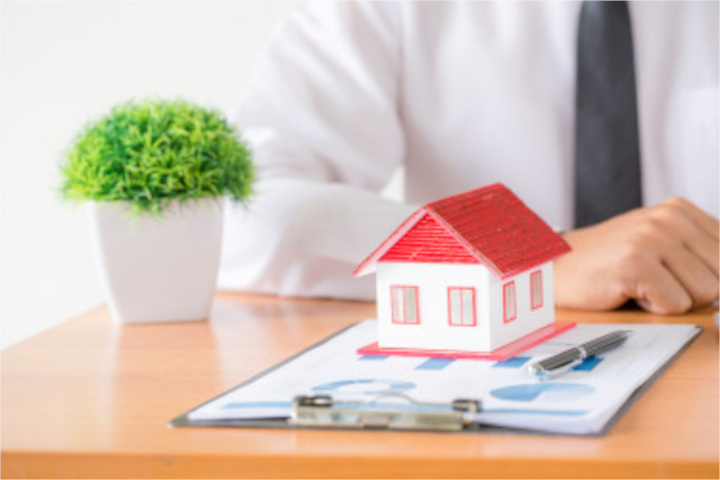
x: 564, y: 361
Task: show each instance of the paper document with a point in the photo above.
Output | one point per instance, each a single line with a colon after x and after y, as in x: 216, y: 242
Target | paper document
x: 582, y: 401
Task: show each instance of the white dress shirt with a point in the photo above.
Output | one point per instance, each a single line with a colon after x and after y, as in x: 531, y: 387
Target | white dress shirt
x: 461, y: 94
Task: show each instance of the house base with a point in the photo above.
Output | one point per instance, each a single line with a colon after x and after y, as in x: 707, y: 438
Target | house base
x: 503, y: 353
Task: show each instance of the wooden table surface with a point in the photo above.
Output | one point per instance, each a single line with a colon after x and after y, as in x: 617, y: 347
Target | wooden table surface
x: 92, y: 399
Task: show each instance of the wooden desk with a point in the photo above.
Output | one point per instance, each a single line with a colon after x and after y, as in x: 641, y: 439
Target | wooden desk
x: 92, y: 399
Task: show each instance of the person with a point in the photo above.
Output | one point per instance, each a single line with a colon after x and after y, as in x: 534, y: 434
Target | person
x: 460, y: 95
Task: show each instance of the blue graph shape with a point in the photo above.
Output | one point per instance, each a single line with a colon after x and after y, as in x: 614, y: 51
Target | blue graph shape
x: 374, y: 357
x: 514, y: 362
x: 435, y: 364
x: 588, y: 364
x: 548, y: 392
x: 367, y: 386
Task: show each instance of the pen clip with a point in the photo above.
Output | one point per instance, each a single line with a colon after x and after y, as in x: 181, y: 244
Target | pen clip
x: 542, y: 374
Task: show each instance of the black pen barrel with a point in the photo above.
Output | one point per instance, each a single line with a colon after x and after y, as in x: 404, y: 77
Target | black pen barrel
x: 561, y: 359
x: 605, y: 343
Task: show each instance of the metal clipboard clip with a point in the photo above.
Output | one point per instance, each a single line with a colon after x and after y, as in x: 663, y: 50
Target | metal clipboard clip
x: 374, y: 413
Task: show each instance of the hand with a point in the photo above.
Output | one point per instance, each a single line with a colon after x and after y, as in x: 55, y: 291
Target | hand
x: 664, y: 257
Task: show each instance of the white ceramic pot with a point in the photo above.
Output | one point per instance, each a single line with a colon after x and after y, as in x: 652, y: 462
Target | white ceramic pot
x: 158, y: 269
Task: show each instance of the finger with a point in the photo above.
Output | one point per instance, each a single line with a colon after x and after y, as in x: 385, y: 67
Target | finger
x: 659, y: 291
x: 707, y: 250
x: 699, y: 281
x: 705, y: 247
x: 681, y: 225
x: 706, y: 222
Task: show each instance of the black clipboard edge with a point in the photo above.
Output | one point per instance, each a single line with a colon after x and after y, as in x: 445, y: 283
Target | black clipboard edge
x: 635, y: 396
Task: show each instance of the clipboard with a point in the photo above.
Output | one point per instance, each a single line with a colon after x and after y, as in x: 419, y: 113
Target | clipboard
x: 323, y: 412
x: 374, y: 414
x: 398, y: 411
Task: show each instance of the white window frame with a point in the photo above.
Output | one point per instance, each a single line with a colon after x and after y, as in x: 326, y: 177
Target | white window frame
x: 509, y: 302
x: 467, y: 304
x: 536, y: 290
x: 404, y: 305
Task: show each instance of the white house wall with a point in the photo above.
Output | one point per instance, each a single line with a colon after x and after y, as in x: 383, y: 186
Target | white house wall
x: 432, y: 281
x: 527, y: 320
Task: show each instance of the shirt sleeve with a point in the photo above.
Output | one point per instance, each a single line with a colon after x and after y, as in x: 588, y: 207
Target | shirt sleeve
x: 321, y: 114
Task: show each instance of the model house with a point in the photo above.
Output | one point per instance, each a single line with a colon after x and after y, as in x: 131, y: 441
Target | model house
x: 470, y: 273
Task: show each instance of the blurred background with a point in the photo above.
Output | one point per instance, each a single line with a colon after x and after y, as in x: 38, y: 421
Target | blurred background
x: 63, y: 63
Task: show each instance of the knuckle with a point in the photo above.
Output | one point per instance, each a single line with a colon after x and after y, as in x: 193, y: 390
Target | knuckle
x: 649, y: 231
x: 628, y: 253
x: 677, y: 202
x: 665, y: 213
x: 662, y: 222
x: 632, y: 260
x: 642, y: 239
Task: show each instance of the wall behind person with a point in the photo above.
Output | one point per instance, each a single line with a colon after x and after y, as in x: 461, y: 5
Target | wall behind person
x: 64, y: 63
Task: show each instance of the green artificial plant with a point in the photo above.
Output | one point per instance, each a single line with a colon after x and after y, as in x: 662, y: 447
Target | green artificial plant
x: 152, y: 152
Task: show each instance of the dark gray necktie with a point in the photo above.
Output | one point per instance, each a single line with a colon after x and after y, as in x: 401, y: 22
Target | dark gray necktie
x: 607, y: 150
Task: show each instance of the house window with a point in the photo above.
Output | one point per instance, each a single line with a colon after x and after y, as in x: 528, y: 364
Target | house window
x: 536, y: 290
x: 461, y: 306
x: 404, y: 302
x: 509, y: 302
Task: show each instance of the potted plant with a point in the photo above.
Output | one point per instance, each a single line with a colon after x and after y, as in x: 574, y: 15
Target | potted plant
x: 155, y: 173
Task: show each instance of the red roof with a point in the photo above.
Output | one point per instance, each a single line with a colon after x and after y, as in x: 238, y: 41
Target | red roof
x: 489, y: 225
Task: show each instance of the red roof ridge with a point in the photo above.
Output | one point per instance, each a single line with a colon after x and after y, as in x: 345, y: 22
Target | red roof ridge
x: 474, y: 252
x: 495, y: 227
x: 410, y: 222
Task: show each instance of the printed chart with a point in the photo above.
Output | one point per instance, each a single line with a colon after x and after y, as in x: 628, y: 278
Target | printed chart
x: 543, y: 392
x: 580, y: 402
